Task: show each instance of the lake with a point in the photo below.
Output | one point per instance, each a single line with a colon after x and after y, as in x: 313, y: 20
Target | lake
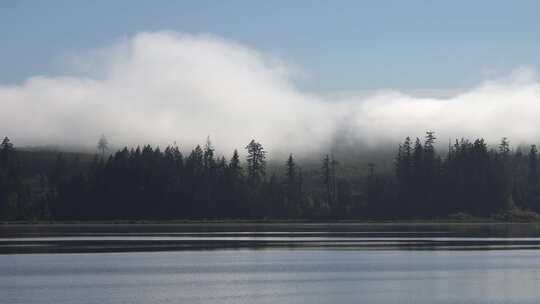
x: 270, y: 263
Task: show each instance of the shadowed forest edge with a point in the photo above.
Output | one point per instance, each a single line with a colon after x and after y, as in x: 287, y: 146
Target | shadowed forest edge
x: 470, y: 180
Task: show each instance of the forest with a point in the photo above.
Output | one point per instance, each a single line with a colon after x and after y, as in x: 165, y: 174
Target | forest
x: 467, y: 180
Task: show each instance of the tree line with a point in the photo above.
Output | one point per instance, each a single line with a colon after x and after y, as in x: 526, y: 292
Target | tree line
x: 147, y: 183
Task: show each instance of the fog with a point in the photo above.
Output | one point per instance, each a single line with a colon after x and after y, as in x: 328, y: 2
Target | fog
x: 164, y: 87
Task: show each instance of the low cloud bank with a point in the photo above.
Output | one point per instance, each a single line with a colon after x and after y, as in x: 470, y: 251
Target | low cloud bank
x: 166, y: 87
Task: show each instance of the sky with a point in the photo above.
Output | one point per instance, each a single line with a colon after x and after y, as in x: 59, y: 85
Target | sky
x: 340, y: 45
x: 294, y: 74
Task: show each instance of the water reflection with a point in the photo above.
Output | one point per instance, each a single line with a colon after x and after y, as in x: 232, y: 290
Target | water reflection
x: 273, y: 276
x: 343, y: 236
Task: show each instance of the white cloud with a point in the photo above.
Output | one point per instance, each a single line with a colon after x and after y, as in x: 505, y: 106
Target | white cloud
x: 164, y: 87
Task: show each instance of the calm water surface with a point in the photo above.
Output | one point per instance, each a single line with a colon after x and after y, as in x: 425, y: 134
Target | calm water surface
x: 270, y: 263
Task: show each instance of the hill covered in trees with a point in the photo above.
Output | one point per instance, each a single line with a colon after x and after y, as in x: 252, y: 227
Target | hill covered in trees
x: 147, y: 183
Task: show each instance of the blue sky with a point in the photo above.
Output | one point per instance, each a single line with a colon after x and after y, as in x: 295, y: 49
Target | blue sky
x: 341, y: 45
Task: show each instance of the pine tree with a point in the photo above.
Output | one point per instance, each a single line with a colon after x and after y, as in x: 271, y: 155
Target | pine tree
x: 504, y: 176
x: 403, y: 162
x: 10, y: 182
x: 235, y: 170
x: 429, y: 143
x: 208, y: 156
x: 290, y: 172
x: 327, y: 179
x: 533, y: 197
x: 504, y: 147
x: 103, y: 145
x: 6, y: 145
x: 291, y: 187
x: 256, y: 162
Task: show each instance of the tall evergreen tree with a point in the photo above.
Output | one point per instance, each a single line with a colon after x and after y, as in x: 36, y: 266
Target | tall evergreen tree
x: 292, y: 187
x: 533, y: 195
x: 208, y: 155
x: 256, y: 162
x: 328, y: 180
x: 234, y: 166
x: 103, y: 145
x: 10, y: 182
x: 290, y: 172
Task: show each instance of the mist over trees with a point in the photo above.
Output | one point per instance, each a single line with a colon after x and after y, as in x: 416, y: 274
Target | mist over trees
x: 150, y: 183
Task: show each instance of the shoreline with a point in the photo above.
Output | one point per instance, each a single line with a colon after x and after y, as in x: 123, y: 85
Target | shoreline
x: 266, y: 222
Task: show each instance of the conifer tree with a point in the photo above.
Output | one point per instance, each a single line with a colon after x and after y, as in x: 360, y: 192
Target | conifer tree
x: 533, y: 197
x: 256, y: 162
x: 103, y: 145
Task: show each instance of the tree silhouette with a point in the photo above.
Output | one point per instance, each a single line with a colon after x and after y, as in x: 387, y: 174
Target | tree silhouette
x: 256, y: 162
x: 533, y: 195
x: 103, y: 145
x: 292, y: 187
x: 327, y: 179
x: 152, y: 183
x: 208, y: 155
